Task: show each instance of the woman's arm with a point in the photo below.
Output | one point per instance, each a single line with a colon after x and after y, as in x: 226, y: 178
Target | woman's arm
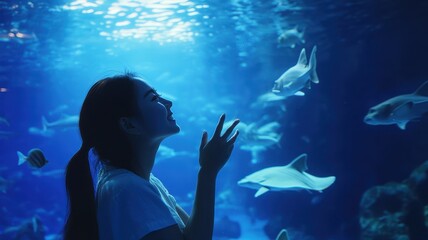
x: 213, y: 154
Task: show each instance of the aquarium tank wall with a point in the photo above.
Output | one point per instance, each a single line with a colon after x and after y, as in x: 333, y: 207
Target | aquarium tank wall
x: 332, y: 97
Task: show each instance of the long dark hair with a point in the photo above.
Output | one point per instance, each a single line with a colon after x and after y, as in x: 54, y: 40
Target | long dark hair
x: 107, y: 101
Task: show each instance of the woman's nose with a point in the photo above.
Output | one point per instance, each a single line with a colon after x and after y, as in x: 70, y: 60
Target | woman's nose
x: 166, y: 102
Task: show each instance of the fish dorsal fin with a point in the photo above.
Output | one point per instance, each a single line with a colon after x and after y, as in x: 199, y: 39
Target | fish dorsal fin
x: 302, y: 58
x: 423, y: 89
x: 299, y: 163
x: 283, y: 235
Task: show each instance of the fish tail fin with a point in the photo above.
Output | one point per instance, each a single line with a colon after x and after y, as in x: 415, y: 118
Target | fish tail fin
x: 313, y: 66
x: 21, y: 158
x: 423, y: 89
x: 302, y: 35
x: 278, y: 143
x: 45, y: 123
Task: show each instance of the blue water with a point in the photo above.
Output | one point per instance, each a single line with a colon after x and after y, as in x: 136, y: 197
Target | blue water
x: 211, y: 57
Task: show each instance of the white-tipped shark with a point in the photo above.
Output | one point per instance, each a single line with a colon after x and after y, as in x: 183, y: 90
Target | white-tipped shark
x: 298, y: 77
x: 288, y: 177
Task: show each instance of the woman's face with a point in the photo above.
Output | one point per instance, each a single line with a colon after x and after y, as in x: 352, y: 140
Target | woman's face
x: 154, y: 116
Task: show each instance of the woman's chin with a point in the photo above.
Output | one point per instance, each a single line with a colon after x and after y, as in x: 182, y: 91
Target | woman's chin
x: 177, y: 129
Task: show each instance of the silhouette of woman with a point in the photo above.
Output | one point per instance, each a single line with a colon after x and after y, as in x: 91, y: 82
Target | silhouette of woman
x: 123, y: 120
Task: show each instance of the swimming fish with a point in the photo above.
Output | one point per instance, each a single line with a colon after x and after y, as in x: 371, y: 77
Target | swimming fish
x: 269, y: 99
x: 288, y: 177
x: 292, y: 81
x: 49, y: 128
x: 257, y: 137
x: 291, y: 37
x: 400, y: 109
x: 165, y: 152
x: 64, y: 122
x: 41, y: 132
x: 35, y: 158
x: 60, y: 109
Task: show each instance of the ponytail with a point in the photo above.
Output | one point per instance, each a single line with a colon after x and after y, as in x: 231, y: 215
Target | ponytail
x: 107, y: 101
x: 81, y: 222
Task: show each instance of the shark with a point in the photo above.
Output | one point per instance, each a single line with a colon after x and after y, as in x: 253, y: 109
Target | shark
x: 65, y: 122
x: 269, y: 99
x: 165, y: 153
x: 401, y: 109
x: 292, y: 176
x: 291, y: 37
x: 294, y: 79
x: 41, y: 132
x: 49, y: 128
x: 256, y: 137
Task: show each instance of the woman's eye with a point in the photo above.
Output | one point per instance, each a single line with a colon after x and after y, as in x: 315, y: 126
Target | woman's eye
x: 155, y: 98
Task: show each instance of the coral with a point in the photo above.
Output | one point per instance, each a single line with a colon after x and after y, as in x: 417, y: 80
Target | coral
x: 418, y: 182
x: 396, y: 211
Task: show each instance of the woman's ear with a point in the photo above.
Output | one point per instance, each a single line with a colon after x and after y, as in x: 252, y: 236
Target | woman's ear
x: 128, y: 126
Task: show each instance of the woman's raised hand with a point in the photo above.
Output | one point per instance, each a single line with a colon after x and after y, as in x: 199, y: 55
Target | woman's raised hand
x: 213, y: 154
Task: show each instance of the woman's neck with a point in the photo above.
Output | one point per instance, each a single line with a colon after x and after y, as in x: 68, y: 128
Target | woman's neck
x: 144, y: 158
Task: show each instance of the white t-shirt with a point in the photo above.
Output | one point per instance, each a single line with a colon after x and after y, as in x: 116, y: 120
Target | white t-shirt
x: 130, y: 207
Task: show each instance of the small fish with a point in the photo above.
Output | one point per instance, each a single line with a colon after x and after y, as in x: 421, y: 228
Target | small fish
x: 35, y: 158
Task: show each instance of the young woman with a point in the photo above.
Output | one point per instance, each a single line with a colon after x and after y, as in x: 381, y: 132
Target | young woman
x: 123, y: 121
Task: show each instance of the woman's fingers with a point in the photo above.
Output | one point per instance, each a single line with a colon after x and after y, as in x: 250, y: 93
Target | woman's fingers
x: 203, y: 140
x: 219, y: 126
x: 233, y: 138
x: 230, y: 129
